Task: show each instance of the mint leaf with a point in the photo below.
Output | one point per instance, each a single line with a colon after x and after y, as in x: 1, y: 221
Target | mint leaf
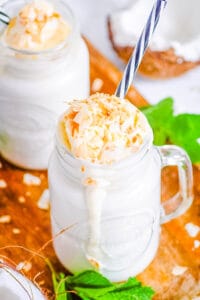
x: 160, y: 117
x: 89, y: 277
x: 137, y: 293
x: 90, y: 285
x: 59, y: 285
x: 182, y: 130
x: 131, y: 282
x: 185, y: 133
x: 132, y: 289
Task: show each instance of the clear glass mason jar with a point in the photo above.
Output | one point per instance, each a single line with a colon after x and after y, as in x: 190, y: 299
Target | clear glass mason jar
x: 14, y: 285
x: 42, y: 80
x: 108, y: 216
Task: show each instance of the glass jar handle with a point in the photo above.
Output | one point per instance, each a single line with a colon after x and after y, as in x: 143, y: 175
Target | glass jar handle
x: 176, y: 156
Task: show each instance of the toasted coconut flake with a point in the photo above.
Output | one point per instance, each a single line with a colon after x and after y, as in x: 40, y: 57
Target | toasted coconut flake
x: 192, y: 229
x: 44, y: 200
x: 94, y: 263
x: 196, y: 244
x: 16, y: 231
x: 179, y: 270
x: 3, y: 184
x: 89, y: 181
x: 97, y: 85
x: 6, y: 219
x: 30, y: 179
x: 21, y: 199
x: 26, y: 266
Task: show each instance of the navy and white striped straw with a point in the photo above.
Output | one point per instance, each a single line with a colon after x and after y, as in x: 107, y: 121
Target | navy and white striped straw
x: 4, y: 18
x: 140, y: 48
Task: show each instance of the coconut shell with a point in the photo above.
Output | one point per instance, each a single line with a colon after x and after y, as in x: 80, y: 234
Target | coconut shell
x: 155, y: 64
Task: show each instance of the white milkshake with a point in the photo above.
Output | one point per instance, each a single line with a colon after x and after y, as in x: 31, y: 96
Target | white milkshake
x: 43, y: 62
x: 104, y: 178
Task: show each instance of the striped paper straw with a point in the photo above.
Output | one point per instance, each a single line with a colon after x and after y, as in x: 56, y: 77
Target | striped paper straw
x: 4, y: 18
x: 140, y: 48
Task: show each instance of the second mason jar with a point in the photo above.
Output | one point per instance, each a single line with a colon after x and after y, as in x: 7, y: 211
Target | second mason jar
x: 34, y: 88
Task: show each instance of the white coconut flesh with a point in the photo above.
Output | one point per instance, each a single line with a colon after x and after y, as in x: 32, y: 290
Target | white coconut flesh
x: 178, y: 27
x: 14, y: 286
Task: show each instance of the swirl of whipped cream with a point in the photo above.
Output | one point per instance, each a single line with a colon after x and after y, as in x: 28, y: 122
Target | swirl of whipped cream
x: 103, y: 129
x: 36, y: 27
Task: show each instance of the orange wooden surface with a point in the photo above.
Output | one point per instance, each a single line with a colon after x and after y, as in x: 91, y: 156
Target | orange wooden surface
x: 176, y: 246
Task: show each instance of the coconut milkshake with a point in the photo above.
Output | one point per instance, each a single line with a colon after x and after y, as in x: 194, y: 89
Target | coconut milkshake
x: 43, y: 61
x: 104, y: 178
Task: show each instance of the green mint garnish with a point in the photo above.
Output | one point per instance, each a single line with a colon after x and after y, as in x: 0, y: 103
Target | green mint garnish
x: 182, y: 130
x: 91, y: 285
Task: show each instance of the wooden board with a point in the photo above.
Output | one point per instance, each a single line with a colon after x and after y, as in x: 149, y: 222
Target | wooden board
x: 28, y: 231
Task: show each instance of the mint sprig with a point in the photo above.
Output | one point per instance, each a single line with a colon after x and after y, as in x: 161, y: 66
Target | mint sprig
x: 182, y: 130
x: 91, y: 285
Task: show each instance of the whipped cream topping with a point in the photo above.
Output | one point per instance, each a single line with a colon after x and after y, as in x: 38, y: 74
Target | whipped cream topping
x: 103, y: 129
x: 36, y: 27
x: 178, y: 27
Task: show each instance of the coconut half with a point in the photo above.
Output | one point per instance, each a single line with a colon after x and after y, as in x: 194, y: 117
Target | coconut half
x: 15, y: 286
x: 175, y: 46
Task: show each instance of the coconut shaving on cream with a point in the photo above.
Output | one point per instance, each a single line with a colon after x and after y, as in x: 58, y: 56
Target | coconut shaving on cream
x: 103, y: 129
x: 36, y: 27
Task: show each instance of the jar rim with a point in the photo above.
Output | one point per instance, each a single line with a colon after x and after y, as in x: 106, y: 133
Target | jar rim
x: 72, y: 22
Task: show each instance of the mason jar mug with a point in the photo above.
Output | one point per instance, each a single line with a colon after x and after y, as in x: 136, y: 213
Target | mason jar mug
x: 108, y: 217
x: 36, y: 86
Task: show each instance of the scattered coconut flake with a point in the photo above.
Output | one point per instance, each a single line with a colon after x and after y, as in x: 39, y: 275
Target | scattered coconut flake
x: 5, y: 219
x: 192, y: 229
x: 44, y: 200
x: 82, y: 169
x: 196, y: 244
x: 94, y: 263
x: 3, y: 184
x: 30, y: 179
x: 24, y: 265
x: 21, y: 199
x: 178, y: 270
x: 16, y: 230
x: 89, y: 181
x: 97, y: 85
